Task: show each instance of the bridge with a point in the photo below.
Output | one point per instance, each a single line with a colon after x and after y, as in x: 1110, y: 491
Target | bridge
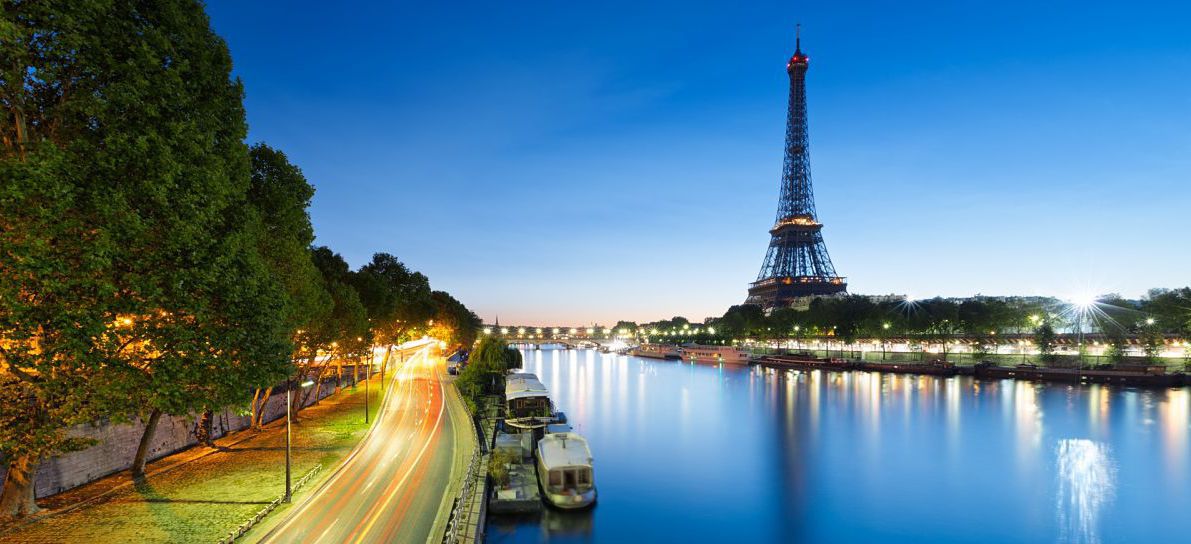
x: 565, y: 337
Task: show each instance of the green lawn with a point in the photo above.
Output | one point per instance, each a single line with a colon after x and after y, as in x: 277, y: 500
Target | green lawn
x: 204, y: 499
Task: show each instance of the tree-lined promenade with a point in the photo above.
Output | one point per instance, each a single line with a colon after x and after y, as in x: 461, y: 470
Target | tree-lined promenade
x: 151, y: 262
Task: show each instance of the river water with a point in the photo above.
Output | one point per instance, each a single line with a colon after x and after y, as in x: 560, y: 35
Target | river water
x: 701, y: 453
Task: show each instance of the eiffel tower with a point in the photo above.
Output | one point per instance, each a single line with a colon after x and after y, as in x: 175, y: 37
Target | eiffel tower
x: 797, y: 266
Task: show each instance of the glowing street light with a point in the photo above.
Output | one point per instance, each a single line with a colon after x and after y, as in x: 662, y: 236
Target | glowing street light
x: 289, y: 396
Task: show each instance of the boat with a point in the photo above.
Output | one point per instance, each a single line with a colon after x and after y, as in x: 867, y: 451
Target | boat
x: 1140, y: 377
x: 526, y: 398
x: 728, y: 355
x: 656, y: 351
x: 933, y: 368
x: 805, y: 362
x: 565, y: 470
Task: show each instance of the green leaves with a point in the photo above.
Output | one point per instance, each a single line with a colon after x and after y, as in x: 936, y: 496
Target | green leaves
x: 130, y: 277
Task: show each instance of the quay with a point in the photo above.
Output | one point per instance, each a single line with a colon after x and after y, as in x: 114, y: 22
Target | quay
x: 1153, y: 376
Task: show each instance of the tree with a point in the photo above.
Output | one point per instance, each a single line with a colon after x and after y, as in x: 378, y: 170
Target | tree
x: 397, y: 300
x: 453, y: 322
x: 345, y: 332
x: 1044, y: 338
x: 54, y: 280
x: 127, y: 113
x: 280, y: 196
x: 741, y: 320
x: 486, y: 366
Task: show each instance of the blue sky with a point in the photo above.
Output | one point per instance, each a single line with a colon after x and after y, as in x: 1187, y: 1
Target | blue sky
x: 570, y: 163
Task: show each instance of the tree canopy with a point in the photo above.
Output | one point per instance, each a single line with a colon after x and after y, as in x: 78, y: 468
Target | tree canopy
x: 150, y: 261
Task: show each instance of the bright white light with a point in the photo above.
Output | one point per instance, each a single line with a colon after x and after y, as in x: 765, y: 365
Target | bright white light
x: 1084, y: 300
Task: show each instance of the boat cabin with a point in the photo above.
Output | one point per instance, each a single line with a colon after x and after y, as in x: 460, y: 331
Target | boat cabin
x: 525, y: 396
x: 565, y: 470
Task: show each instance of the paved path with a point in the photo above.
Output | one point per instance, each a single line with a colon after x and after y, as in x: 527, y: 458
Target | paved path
x: 394, y: 486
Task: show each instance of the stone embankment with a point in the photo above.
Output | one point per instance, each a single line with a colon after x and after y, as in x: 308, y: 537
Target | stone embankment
x: 116, y: 443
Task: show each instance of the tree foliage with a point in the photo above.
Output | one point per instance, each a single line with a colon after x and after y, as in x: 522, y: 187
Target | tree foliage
x: 150, y: 262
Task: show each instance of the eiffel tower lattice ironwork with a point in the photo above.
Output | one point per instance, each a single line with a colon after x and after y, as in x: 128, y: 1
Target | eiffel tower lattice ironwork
x: 796, y: 265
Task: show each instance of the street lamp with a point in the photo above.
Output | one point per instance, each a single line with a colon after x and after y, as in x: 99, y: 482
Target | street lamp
x: 289, y: 396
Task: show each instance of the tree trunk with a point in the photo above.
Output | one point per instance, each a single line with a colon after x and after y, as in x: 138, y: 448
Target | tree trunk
x: 18, y: 498
x: 142, y: 450
x: 305, y: 400
x: 383, y: 363
x: 260, y: 411
x: 256, y: 395
x: 204, y: 428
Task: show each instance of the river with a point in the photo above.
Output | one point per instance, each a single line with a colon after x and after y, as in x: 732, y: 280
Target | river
x: 702, y: 453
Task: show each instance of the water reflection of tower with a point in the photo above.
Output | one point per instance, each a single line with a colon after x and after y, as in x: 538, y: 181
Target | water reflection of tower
x: 789, y: 410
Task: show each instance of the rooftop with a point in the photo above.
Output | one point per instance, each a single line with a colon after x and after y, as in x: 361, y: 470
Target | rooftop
x: 560, y: 450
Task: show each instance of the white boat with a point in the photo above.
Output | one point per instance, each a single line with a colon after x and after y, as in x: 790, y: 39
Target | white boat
x: 565, y: 470
x: 656, y: 351
x: 729, y: 355
x: 526, y: 397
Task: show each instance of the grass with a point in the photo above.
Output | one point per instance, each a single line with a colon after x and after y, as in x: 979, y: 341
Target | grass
x: 204, y: 499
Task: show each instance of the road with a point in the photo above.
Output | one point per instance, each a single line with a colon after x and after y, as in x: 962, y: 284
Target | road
x: 391, y: 486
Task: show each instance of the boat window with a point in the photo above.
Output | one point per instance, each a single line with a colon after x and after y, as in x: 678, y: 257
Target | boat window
x: 555, y: 478
x: 584, y: 478
x: 571, y: 479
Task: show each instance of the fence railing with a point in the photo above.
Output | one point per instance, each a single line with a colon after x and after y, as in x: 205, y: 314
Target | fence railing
x: 260, y: 515
x: 469, y: 509
x: 465, y: 508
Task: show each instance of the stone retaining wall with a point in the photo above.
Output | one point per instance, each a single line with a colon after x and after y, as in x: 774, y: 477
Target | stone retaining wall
x: 116, y: 444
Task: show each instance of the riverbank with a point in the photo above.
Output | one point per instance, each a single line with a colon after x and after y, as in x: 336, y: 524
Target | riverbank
x: 1135, y: 376
x: 203, y: 494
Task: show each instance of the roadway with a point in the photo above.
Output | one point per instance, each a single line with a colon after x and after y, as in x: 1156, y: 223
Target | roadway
x: 392, y: 487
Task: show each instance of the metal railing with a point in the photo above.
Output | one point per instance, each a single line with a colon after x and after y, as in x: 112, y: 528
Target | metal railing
x: 247, y: 525
x: 465, y: 507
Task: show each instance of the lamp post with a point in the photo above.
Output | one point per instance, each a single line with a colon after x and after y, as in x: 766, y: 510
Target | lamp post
x: 289, y: 396
x: 367, y: 378
x: 884, y: 339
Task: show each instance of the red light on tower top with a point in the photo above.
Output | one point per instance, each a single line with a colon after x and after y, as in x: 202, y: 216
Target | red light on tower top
x: 798, y: 58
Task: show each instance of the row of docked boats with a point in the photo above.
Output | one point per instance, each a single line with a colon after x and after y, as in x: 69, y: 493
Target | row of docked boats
x: 693, y: 353
x: 562, y: 457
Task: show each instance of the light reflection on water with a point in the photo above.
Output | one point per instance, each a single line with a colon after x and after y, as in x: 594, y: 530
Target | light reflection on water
x: 703, y: 453
x: 1085, y: 475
